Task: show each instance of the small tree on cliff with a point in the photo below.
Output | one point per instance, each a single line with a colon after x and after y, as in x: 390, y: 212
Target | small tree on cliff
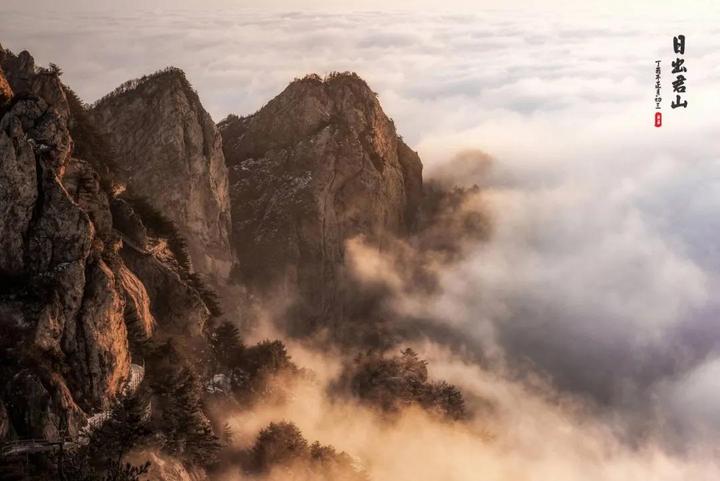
x: 101, y: 458
x: 227, y: 348
x: 126, y: 428
x: 188, y: 432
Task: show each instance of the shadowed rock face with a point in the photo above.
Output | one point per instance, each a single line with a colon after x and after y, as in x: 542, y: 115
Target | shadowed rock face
x: 169, y: 152
x: 64, y: 347
x: 177, y: 306
x: 319, y: 164
x: 155, y: 283
x: 77, y: 281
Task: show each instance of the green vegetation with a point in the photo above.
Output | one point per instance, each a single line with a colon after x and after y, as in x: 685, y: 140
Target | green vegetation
x: 100, y: 457
x: 88, y: 143
x: 283, y: 445
x: 133, y: 84
x: 251, y: 369
x: 391, y: 383
x: 161, y: 226
x: 207, y: 293
x: 178, y: 414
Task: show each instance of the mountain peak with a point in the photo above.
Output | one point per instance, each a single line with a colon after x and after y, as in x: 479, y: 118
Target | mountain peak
x: 175, y: 159
x: 168, y: 78
x: 342, y: 101
x: 319, y: 164
x: 24, y: 77
x: 335, y: 85
x: 332, y: 80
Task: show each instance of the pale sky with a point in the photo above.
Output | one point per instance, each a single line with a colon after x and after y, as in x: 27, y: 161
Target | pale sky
x: 616, y: 7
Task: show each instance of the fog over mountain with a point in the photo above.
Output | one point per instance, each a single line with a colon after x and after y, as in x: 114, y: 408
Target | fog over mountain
x: 487, y: 189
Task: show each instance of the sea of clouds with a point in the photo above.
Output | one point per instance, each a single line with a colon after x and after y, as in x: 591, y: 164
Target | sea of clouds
x: 603, y: 268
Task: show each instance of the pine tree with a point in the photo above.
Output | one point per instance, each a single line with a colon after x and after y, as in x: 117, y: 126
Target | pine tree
x: 188, y: 432
x: 227, y: 348
x: 101, y: 458
x: 126, y: 428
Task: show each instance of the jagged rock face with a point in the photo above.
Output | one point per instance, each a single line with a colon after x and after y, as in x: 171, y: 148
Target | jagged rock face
x: 319, y: 164
x: 176, y: 305
x: 61, y: 303
x: 18, y: 194
x: 25, y: 78
x: 4, y: 421
x: 138, y: 317
x: 43, y: 407
x: 170, y: 153
x: 82, y: 183
x: 129, y: 223
x: 98, y: 336
x: 6, y: 92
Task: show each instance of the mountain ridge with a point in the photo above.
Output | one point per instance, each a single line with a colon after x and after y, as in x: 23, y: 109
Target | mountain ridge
x: 102, y: 267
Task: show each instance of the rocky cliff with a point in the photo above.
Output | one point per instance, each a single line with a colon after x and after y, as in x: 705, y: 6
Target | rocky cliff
x: 6, y: 92
x: 319, y: 164
x: 62, y: 302
x: 107, y: 214
x: 86, y: 276
x: 169, y: 152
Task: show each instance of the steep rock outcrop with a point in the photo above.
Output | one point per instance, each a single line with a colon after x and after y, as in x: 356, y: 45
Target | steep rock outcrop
x: 6, y: 92
x: 25, y: 77
x: 42, y: 406
x: 169, y: 152
x: 4, y: 421
x: 18, y: 194
x: 319, y: 164
x: 89, y: 273
x: 99, y: 337
x: 176, y: 305
x: 64, y: 347
x: 138, y: 317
